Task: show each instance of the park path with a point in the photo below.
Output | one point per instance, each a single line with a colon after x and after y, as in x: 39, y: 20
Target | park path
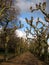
x: 24, y: 59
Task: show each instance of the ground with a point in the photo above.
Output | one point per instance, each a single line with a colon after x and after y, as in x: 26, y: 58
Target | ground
x: 24, y: 59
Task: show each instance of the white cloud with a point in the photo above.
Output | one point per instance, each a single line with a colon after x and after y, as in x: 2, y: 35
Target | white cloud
x: 38, y: 1
x: 20, y: 34
x: 47, y: 3
x: 24, y: 5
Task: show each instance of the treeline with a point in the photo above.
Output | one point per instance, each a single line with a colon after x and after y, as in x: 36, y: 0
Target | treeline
x: 15, y: 44
x: 10, y: 43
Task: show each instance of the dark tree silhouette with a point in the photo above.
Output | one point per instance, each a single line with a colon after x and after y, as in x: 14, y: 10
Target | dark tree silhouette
x: 8, y: 13
x: 41, y: 32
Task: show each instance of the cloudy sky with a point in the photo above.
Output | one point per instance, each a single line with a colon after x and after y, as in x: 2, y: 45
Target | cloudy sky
x: 24, y: 5
x: 22, y: 34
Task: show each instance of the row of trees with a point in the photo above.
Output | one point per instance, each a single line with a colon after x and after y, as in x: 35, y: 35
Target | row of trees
x: 8, y: 13
x: 39, y: 45
x: 15, y: 45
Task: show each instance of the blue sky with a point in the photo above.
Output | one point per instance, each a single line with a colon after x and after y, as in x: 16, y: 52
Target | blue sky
x: 24, y: 6
x: 28, y: 15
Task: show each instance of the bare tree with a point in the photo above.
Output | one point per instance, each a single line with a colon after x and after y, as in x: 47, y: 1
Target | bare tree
x: 41, y: 32
x: 8, y: 13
